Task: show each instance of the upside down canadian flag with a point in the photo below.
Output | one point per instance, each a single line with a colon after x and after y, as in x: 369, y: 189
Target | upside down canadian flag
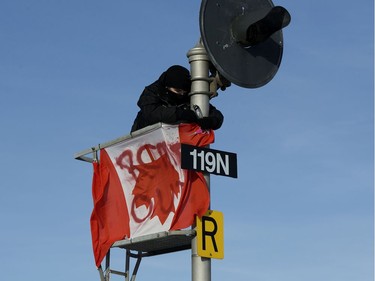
x: 139, y: 187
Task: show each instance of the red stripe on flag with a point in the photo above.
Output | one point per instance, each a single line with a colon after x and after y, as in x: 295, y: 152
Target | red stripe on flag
x: 193, y: 134
x: 110, y: 219
x: 195, y: 198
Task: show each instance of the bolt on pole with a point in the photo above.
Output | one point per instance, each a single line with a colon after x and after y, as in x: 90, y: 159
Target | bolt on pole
x: 199, y: 95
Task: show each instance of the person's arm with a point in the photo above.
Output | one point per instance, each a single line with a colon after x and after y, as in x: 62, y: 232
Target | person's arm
x: 213, y: 121
x: 154, y: 111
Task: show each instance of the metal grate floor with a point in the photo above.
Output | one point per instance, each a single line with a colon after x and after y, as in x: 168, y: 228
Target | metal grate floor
x: 158, y: 243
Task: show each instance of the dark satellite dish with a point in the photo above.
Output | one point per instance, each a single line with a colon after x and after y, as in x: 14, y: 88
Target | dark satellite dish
x: 243, y: 39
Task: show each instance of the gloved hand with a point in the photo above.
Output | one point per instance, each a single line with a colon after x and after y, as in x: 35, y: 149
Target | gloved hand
x: 186, y: 115
x: 207, y: 123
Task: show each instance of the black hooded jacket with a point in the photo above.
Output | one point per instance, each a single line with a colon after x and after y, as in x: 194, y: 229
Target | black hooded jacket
x: 158, y: 105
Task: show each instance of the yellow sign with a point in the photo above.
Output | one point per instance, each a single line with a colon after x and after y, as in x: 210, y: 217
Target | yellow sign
x: 210, y: 235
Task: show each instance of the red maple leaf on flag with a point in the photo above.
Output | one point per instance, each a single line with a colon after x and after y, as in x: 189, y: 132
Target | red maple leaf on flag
x: 156, y: 187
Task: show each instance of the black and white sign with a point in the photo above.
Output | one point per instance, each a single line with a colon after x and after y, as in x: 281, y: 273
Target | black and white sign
x: 208, y: 160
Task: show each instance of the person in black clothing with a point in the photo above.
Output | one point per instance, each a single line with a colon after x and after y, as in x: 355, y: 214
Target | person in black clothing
x: 167, y: 100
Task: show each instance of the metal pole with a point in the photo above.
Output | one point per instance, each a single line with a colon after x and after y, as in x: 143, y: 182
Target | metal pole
x: 199, y: 95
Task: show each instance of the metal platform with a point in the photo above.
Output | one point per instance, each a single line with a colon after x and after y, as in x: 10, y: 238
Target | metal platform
x: 158, y: 243
x: 147, y: 246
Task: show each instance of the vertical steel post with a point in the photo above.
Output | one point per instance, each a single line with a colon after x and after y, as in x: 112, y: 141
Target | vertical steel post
x: 199, y: 95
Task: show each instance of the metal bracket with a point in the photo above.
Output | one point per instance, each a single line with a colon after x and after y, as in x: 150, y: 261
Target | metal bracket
x: 82, y: 155
x: 147, y: 246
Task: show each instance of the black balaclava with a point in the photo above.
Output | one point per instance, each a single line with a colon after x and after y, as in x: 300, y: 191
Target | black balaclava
x: 177, y: 77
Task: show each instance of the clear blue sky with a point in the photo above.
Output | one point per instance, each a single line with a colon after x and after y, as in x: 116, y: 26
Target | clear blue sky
x: 302, y: 208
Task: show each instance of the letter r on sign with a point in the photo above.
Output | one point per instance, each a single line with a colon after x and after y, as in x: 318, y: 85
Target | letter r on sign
x: 206, y: 233
x: 210, y: 235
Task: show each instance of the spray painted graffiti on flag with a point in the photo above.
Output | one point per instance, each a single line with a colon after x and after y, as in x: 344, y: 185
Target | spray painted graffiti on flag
x: 139, y: 187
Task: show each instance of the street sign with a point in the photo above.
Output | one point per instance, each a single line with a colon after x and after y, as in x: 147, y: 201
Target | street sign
x: 210, y: 235
x: 209, y: 160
